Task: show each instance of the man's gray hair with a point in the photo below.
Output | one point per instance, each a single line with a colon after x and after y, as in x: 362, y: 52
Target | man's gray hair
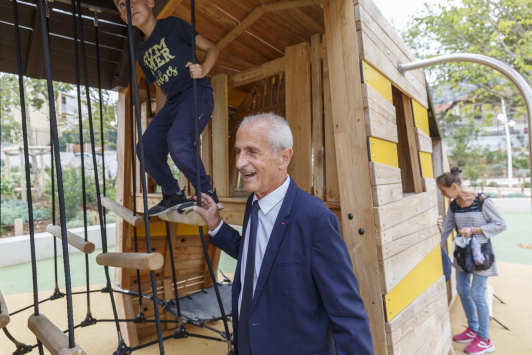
x: 279, y: 134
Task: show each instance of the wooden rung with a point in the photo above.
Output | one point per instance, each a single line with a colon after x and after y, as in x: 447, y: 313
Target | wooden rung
x: 191, y: 218
x: 53, y: 339
x: 4, y: 314
x: 141, y: 261
x: 122, y: 212
x: 73, y: 239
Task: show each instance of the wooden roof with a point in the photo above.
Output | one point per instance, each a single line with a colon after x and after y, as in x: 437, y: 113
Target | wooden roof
x: 248, y: 32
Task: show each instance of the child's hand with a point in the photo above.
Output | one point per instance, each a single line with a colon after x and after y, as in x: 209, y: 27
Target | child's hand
x: 197, y: 71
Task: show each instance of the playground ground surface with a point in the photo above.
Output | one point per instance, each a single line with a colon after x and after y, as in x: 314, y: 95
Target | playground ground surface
x: 512, y: 286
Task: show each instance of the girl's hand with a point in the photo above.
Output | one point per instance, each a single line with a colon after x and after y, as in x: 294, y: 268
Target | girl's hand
x: 197, y: 71
x: 465, y: 232
x: 440, y: 223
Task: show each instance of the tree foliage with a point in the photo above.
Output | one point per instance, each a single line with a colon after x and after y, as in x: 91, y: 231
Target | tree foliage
x: 501, y: 29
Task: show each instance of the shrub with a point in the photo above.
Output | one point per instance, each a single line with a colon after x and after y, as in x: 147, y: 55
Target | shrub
x: 497, y: 168
x: 493, y: 184
x: 527, y: 184
x: 491, y: 194
x: 515, y: 195
x: 16, y: 208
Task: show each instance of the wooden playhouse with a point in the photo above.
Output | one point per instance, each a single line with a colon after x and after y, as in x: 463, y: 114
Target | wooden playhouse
x: 365, y: 142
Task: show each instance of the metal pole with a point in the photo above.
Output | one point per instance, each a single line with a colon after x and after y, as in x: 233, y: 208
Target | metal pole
x: 501, y: 67
x: 508, y: 144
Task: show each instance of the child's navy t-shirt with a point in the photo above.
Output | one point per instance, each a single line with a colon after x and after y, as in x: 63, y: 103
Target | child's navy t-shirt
x: 163, y: 56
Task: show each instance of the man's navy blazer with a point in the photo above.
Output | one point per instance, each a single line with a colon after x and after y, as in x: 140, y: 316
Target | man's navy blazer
x: 307, y: 299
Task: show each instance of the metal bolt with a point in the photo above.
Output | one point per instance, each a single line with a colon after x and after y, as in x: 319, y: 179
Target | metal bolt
x: 361, y: 231
x: 389, y: 299
x: 367, y: 79
x: 350, y: 216
x: 374, y: 155
x: 388, y: 52
x: 390, y: 312
x: 373, y: 142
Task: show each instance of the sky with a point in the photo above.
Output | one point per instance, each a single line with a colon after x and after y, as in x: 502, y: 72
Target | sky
x: 397, y: 12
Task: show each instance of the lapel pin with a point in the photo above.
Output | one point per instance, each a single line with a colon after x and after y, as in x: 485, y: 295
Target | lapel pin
x: 282, y: 223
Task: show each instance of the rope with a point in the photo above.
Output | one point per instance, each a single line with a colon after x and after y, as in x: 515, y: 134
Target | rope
x: 82, y: 151
x: 143, y: 175
x: 198, y: 182
x: 95, y: 165
x: 101, y: 109
x: 53, y: 122
x: 134, y: 173
x: 27, y: 167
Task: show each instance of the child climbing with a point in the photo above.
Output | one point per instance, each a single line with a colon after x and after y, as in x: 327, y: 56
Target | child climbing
x: 164, y: 57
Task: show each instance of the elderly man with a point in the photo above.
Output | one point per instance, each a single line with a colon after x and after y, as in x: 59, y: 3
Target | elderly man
x: 294, y: 290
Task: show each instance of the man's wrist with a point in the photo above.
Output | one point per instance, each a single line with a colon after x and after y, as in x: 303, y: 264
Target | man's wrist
x: 213, y: 232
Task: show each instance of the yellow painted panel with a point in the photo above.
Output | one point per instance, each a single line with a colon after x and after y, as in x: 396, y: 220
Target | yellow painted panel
x: 159, y: 229
x: 426, y: 165
x: 381, y: 151
x: 377, y: 81
x: 424, y: 275
x: 421, y: 117
x: 235, y: 97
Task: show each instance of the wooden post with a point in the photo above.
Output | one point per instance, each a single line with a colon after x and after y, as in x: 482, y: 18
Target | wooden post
x: 19, y: 226
x: 220, y: 135
x: 206, y: 149
x: 298, y: 113
x: 412, y: 144
x: 23, y: 193
x: 7, y: 162
x: 317, y: 117
x: 352, y: 159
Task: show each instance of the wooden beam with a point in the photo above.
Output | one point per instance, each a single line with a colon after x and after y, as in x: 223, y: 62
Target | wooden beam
x: 53, y: 339
x: 412, y: 144
x: 253, y: 16
x: 298, y: 113
x: 140, y: 261
x: 352, y: 159
x: 220, y: 149
x: 317, y: 117
x: 257, y: 73
x: 286, y: 5
x: 35, y: 58
x: 168, y: 9
x: 125, y: 213
x: 73, y: 239
x: 191, y: 218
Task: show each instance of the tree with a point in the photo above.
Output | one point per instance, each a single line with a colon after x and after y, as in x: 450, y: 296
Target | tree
x: 501, y: 29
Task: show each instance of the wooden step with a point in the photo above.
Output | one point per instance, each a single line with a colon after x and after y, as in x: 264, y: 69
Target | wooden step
x: 191, y: 218
x: 53, y: 339
x: 122, y: 212
x: 73, y: 239
x: 141, y: 261
x: 4, y: 314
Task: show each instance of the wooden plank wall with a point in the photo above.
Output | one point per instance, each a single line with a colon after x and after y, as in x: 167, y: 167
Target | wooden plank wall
x: 417, y: 319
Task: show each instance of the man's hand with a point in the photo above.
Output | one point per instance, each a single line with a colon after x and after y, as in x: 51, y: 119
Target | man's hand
x: 208, y: 210
x: 439, y: 222
x: 197, y: 71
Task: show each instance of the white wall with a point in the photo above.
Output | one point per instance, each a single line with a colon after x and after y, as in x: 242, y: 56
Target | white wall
x: 16, y: 250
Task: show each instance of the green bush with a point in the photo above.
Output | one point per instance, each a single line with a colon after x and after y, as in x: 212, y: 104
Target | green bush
x: 523, y: 172
x: 527, y: 184
x: 515, y: 195
x: 491, y: 194
x: 493, y: 184
x: 8, y: 188
x: 497, y: 168
x: 16, y: 208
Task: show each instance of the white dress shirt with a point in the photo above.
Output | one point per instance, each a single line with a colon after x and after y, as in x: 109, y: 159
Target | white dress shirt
x: 270, y: 205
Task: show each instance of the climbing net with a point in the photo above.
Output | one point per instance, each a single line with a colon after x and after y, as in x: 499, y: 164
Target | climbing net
x: 185, y: 310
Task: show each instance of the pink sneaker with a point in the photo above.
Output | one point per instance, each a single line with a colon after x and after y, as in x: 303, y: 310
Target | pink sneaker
x: 480, y: 346
x: 465, y: 337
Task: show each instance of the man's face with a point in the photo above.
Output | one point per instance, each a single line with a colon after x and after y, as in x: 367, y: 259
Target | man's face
x: 261, y: 171
x: 140, y: 10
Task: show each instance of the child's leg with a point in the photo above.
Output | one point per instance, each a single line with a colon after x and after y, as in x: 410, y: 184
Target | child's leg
x: 181, y: 135
x: 156, y: 150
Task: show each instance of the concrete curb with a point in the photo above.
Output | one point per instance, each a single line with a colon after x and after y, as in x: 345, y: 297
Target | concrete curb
x: 16, y: 250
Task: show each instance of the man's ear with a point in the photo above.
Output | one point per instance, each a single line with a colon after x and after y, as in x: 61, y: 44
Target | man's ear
x: 285, y: 157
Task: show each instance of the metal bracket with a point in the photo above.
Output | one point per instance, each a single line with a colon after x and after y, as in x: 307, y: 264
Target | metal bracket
x: 181, y: 333
x: 122, y: 349
x: 89, y: 320
x: 401, y: 68
x: 140, y: 318
x: 57, y: 295
x: 96, y: 11
x: 23, y: 349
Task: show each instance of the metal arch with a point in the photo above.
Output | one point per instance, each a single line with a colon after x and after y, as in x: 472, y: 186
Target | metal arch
x: 501, y: 67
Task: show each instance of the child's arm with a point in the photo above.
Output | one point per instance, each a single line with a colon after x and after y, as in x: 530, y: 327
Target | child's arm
x: 199, y: 71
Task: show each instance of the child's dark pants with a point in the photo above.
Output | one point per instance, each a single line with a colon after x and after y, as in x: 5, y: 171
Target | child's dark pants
x: 172, y: 131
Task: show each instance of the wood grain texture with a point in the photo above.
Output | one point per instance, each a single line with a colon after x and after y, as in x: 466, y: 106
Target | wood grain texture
x: 220, y: 135
x: 411, y: 145
x: 298, y: 113
x: 424, y: 143
x: 191, y: 218
x: 53, y: 339
x: 395, y: 213
x: 331, y: 170
x: 375, y: 101
x: 381, y: 174
x: 413, y: 224
x: 123, y: 212
x: 73, y: 239
x: 379, y: 127
x: 317, y: 117
x: 383, y: 194
x: 429, y: 184
x: 352, y: 161
x: 402, y: 243
x: 257, y: 73
x: 140, y: 261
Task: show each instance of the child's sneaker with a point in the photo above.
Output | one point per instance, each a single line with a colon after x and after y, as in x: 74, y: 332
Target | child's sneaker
x: 168, y: 203
x: 186, y: 208
x: 480, y: 346
x: 465, y: 337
